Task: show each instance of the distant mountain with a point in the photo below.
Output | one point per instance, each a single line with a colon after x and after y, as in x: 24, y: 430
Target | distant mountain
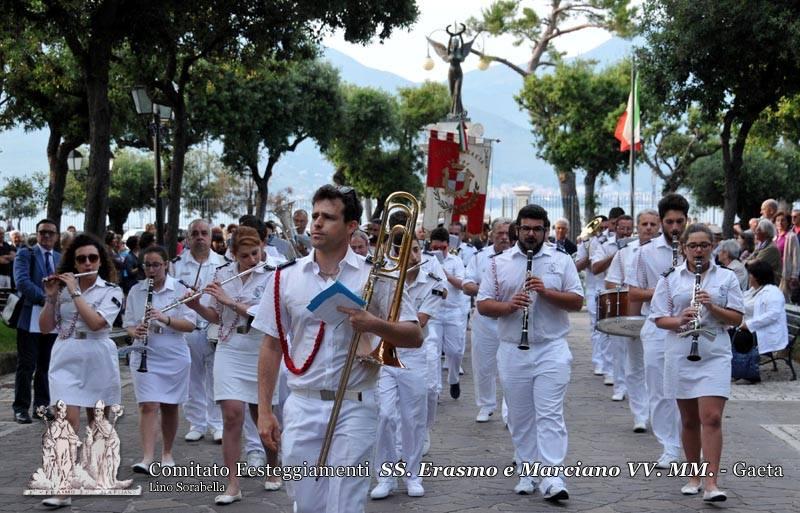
x: 488, y: 97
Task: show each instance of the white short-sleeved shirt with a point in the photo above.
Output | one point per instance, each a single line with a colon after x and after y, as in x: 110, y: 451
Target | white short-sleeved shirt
x: 185, y: 268
x: 427, y: 295
x: 248, y: 292
x: 454, y: 267
x: 585, y: 250
x: 105, y: 298
x: 171, y: 292
x: 652, y: 261
x: 622, y: 264
x: 601, y: 252
x: 299, y: 284
x: 556, y: 270
x: 466, y: 251
x: 477, y: 265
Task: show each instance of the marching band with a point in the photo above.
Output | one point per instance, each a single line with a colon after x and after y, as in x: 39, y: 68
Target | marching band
x: 653, y: 298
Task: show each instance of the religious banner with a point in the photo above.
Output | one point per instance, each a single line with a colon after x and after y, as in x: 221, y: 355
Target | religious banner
x: 457, y: 180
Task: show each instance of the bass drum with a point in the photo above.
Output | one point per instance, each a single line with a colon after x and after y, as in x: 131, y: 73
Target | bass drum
x: 614, y: 315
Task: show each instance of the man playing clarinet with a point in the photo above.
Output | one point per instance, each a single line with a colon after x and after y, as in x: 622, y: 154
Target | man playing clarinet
x: 534, y: 380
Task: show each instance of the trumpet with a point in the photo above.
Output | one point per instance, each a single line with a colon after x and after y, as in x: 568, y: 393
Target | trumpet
x: 694, y: 329
x: 147, y: 307
x: 78, y: 275
x: 223, y: 282
x: 385, y: 264
x: 523, y: 340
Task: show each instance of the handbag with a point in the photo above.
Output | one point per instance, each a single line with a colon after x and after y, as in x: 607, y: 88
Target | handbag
x: 12, y: 310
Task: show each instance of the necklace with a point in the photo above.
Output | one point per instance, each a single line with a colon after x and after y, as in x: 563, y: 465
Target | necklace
x: 282, y: 336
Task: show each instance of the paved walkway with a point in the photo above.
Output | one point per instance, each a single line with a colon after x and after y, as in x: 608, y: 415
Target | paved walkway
x: 761, y: 426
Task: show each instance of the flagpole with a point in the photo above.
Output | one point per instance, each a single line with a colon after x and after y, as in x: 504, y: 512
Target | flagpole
x: 634, y: 98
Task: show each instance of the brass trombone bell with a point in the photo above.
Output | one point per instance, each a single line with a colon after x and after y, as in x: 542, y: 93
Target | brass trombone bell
x: 591, y: 228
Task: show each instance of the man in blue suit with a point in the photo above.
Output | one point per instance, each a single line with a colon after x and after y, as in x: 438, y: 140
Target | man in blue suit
x: 31, y: 266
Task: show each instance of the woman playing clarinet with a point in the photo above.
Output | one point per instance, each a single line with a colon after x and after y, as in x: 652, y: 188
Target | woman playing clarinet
x: 163, y: 383
x: 82, y: 303
x: 236, y: 358
x: 712, y: 295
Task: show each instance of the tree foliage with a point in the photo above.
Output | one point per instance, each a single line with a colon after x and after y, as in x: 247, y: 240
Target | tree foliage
x: 765, y: 174
x: 19, y: 199
x: 573, y: 112
x: 732, y: 59
x: 209, y: 187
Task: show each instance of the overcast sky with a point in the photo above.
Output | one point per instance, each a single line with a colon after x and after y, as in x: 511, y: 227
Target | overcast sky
x: 403, y: 53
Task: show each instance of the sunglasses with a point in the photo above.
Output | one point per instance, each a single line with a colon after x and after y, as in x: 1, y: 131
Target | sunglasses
x: 81, y: 259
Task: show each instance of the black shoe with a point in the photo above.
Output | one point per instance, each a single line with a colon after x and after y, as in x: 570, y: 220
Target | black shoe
x: 455, y: 390
x: 47, y: 415
x: 22, y: 417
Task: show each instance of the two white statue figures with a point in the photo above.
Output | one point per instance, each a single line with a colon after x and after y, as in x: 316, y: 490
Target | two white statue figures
x: 97, y: 467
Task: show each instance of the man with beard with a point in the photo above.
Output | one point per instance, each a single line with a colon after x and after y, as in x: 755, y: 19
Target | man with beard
x: 484, y: 329
x: 194, y: 269
x: 534, y: 381
x: 655, y: 259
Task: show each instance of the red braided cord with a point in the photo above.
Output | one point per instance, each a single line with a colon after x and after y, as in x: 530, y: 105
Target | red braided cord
x: 282, y: 337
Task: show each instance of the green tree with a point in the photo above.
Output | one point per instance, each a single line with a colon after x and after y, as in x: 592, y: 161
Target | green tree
x: 19, y: 199
x: 42, y: 89
x: 277, y: 107
x: 209, y: 187
x: 420, y: 106
x: 573, y: 112
x: 732, y: 59
x: 765, y: 174
x: 131, y: 187
x: 538, y: 31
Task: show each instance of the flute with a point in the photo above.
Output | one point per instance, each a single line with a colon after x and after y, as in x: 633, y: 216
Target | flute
x: 523, y: 341
x: 223, y: 282
x: 79, y: 275
x: 147, y: 307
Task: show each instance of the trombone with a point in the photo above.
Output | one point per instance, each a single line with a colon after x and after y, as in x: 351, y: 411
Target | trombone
x: 385, y: 264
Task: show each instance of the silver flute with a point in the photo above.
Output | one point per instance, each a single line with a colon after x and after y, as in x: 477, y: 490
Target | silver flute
x: 78, y: 275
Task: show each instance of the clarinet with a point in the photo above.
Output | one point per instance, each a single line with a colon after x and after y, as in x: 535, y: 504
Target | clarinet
x: 523, y: 340
x: 694, y: 353
x: 147, y: 307
x: 674, y: 254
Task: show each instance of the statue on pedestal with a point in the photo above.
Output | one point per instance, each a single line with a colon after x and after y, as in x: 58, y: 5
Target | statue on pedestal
x: 454, y: 53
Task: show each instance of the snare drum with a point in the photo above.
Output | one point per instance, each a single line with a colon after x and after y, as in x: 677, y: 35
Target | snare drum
x: 614, y: 315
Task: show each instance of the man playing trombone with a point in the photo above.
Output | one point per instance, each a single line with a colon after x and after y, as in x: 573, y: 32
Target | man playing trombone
x: 535, y: 380
x: 318, y: 356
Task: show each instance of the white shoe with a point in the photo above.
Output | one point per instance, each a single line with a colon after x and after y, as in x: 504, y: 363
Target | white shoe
x: 665, y: 460
x: 640, y: 427
x: 414, y: 488
x: 272, y: 486
x: 460, y: 370
x: 426, y: 445
x: 556, y: 493
x: 483, y: 415
x: 217, y: 436
x: 689, y: 489
x: 383, y: 490
x: 598, y: 371
x: 225, y: 499
x: 525, y: 486
x: 619, y: 396
x: 57, y: 502
x: 193, y: 436
x: 256, y: 458
x: 608, y: 380
x: 715, y: 496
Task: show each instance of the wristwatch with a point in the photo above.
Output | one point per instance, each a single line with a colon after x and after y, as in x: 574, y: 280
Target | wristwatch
x: 75, y: 294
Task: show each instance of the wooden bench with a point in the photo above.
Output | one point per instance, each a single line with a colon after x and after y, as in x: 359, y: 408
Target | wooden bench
x: 793, y: 323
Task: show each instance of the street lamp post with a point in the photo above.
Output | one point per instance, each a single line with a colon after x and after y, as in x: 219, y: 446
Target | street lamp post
x: 160, y: 115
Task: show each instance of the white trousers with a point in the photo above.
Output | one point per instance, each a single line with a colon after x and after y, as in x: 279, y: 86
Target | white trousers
x: 483, y: 349
x: 599, y: 339
x: 305, y: 421
x: 452, y: 333
x: 200, y: 409
x: 665, y: 418
x: 402, y: 413
x: 634, y: 380
x: 618, y: 353
x: 535, y: 383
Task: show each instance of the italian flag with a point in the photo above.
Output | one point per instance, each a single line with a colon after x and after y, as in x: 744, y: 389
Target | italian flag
x: 624, y: 132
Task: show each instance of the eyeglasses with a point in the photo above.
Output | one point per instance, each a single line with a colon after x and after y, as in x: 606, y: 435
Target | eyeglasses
x: 702, y: 245
x: 534, y: 229
x: 46, y: 233
x: 152, y: 265
x: 93, y: 258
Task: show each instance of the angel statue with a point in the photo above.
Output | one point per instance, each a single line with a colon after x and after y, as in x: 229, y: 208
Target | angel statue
x: 455, y: 53
x: 101, y: 449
